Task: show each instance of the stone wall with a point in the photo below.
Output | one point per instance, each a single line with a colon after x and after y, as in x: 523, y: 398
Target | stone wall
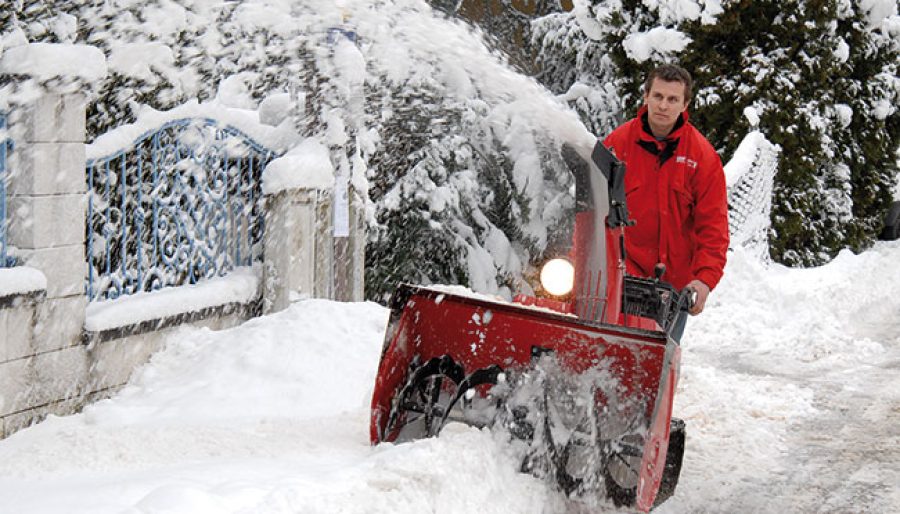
x: 49, y: 362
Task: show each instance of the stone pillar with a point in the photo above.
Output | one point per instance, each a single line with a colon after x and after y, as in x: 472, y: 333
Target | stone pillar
x: 290, y: 246
x: 47, y: 203
x: 350, y: 255
x: 325, y: 246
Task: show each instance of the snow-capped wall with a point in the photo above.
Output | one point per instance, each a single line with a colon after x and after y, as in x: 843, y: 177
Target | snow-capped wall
x: 57, y: 350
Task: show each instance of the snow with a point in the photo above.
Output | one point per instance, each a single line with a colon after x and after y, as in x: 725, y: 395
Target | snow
x: 656, y: 42
x: 673, y: 12
x: 275, y: 107
x: 149, y: 119
x: 878, y: 11
x: 234, y: 91
x: 752, y: 116
x: 743, y: 158
x: 48, y: 60
x: 241, y: 285
x: 844, y: 113
x: 21, y: 280
x: 307, y: 166
x: 591, y: 26
x: 788, y: 378
x: 135, y: 60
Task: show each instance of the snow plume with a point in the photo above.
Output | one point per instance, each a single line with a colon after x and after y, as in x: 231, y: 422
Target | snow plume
x: 467, y: 156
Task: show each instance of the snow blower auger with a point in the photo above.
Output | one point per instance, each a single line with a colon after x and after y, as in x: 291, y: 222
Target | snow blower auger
x: 583, y: 385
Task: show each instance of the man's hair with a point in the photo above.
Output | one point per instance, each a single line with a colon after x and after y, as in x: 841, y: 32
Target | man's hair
x: 671, y: 73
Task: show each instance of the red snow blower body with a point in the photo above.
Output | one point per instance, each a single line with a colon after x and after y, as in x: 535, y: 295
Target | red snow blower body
x: 583, y: 385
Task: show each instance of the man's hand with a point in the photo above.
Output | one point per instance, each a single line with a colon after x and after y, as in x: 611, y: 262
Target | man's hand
x: 702, y: 292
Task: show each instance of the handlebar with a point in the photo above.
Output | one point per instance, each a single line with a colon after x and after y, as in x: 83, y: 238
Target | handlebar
x: 688, y: 298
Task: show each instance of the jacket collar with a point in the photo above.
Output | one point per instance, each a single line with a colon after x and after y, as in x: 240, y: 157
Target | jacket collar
x: 646, y: 133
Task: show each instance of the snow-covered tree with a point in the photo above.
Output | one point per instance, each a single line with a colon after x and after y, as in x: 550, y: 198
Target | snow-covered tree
x: 457, y: 154
x: 506, y: 24
x: 574, y: 61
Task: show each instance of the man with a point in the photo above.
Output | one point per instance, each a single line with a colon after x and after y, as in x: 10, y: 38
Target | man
x: 675, y: 189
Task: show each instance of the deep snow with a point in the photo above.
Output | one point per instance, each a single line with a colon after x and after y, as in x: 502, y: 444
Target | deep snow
x: 790, y: 389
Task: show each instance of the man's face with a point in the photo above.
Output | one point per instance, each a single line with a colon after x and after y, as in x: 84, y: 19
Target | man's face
x: 665, y: 102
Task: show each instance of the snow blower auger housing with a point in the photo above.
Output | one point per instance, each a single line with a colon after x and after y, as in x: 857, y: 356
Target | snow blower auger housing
x: 584, y: 387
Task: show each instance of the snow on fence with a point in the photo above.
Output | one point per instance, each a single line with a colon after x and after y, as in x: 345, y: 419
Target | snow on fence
x: 181, y: 203
x: 750, y: 176
x: 5, y: 147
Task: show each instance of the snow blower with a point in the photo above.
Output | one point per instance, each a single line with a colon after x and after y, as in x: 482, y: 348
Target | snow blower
x: 583, y: 383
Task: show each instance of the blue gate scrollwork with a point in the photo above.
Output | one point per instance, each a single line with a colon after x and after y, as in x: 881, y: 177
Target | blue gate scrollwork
x: 182, y: 203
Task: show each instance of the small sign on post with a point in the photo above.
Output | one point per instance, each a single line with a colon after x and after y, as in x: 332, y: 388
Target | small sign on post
x: 337, y: 34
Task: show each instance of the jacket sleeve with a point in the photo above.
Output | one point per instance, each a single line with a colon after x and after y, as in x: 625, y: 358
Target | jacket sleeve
x: 711, y: 236
x: 614, y: 142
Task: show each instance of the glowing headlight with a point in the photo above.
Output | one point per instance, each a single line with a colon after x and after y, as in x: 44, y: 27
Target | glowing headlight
x: 557, y: 277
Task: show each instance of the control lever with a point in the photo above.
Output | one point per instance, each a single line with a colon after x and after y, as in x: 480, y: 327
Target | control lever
x: 659, y: 270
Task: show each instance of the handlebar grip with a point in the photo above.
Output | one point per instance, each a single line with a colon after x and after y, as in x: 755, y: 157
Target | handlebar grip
x: 688, y: 298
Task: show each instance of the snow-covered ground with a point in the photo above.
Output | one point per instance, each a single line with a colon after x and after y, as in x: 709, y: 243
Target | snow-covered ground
x: 790, y: 389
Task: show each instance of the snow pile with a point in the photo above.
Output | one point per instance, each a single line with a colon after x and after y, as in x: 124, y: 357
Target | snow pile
x: 272, y: 416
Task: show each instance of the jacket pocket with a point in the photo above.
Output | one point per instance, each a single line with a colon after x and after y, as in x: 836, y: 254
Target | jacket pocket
x: 684, y: 203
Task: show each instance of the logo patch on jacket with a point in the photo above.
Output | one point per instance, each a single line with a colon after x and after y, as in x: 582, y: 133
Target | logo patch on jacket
x: 682, y: 159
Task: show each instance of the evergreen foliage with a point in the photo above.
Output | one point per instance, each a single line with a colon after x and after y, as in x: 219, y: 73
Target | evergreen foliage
x: 820, y: 74
x: 506, y: 25
x: 443, y: 195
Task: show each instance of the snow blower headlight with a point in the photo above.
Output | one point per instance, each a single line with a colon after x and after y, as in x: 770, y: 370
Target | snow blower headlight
x: 557, y: 277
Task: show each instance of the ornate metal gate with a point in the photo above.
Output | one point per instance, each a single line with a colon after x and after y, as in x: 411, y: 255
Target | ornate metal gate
x: 183, y: 202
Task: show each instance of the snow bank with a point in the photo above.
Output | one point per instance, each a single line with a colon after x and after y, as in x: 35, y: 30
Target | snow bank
x: 273, y: 417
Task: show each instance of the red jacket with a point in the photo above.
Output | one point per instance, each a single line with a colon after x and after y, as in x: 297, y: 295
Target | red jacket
x: 675, y: 191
